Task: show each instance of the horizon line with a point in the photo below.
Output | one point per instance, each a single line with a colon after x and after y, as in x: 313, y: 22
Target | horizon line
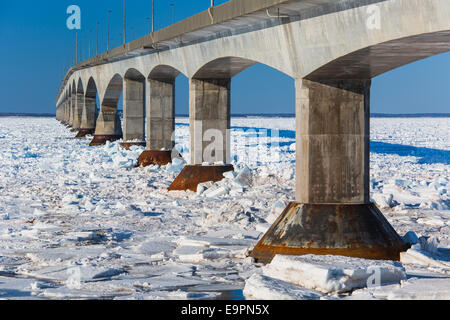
x: 287, y: 115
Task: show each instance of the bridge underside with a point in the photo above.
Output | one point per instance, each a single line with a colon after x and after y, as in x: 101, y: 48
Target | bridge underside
x: 370, y: 62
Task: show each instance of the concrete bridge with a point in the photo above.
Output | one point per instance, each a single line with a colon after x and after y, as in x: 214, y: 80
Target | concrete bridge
x: 331, y: 48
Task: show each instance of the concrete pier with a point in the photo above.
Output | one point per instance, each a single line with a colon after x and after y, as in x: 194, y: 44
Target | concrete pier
x: 160, y: 117
x: 133, y: 110
x: 78, y: 110
x: 66, y: 112
x: 161, y: 114
x: 333, y: 214
x: 72, y: 108
x: 209, y: 118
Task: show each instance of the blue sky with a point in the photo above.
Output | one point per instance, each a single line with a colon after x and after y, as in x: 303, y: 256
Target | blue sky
x: 37, y: 48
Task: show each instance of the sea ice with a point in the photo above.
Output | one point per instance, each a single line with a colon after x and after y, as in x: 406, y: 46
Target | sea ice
x: 65, y: 205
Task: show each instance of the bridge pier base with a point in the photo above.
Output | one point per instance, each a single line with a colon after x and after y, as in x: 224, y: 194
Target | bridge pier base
x: 85, y: 132
x: 333, y: 214
x: 192, y: 175
x: 155, y: 157
x: 108, y: 127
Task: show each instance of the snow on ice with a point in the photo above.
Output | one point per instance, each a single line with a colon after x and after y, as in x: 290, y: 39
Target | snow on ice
x: 80, y: 222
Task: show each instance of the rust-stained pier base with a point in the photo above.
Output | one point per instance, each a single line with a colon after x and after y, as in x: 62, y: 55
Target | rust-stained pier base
x: 155, y: 157
x: 358, y: 230
x: 192, y: 175
x: 85, y: 132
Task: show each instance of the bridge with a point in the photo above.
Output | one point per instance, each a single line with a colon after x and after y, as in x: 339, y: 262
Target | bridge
x: 331, y: 48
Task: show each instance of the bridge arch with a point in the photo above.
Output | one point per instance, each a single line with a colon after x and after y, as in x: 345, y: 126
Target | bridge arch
x: 108, y: 126
x: 374, y: 60
x: 223, y: 68
x: 89, y: 112
x: 210, y: 106
x: 372, y: 38
x: 133, y: 74
x: 78, y: 103
x: 112, y: 92
x: 164, y: 72
x: 80, y: 87
x: 91, y: 88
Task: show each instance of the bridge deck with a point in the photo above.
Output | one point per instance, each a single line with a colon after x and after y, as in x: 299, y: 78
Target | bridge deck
x: 232, y: 17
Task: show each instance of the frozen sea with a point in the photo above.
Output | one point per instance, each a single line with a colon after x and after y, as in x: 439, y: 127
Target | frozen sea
x: 80, y: 222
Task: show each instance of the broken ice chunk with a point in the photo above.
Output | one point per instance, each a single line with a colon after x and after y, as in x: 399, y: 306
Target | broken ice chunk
x: 213, y: 193
x: 330, y: 274
x: 260, y: 287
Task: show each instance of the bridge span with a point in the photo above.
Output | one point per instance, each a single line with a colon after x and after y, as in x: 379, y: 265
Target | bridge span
x: 331, y: 48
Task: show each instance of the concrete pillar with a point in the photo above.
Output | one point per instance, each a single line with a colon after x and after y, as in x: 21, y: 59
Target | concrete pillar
x: 63, y: 112
x: 160, y: 122
x: 78, y: 111
x: 332, y: 125
x: 66, y: 112
x: 209, y: 116
x: 88, y: 117
x: 60, y: 112
x: 134, y: 112
x: 160, y: 114
x: 333, y: 214
x: 71, y: 109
